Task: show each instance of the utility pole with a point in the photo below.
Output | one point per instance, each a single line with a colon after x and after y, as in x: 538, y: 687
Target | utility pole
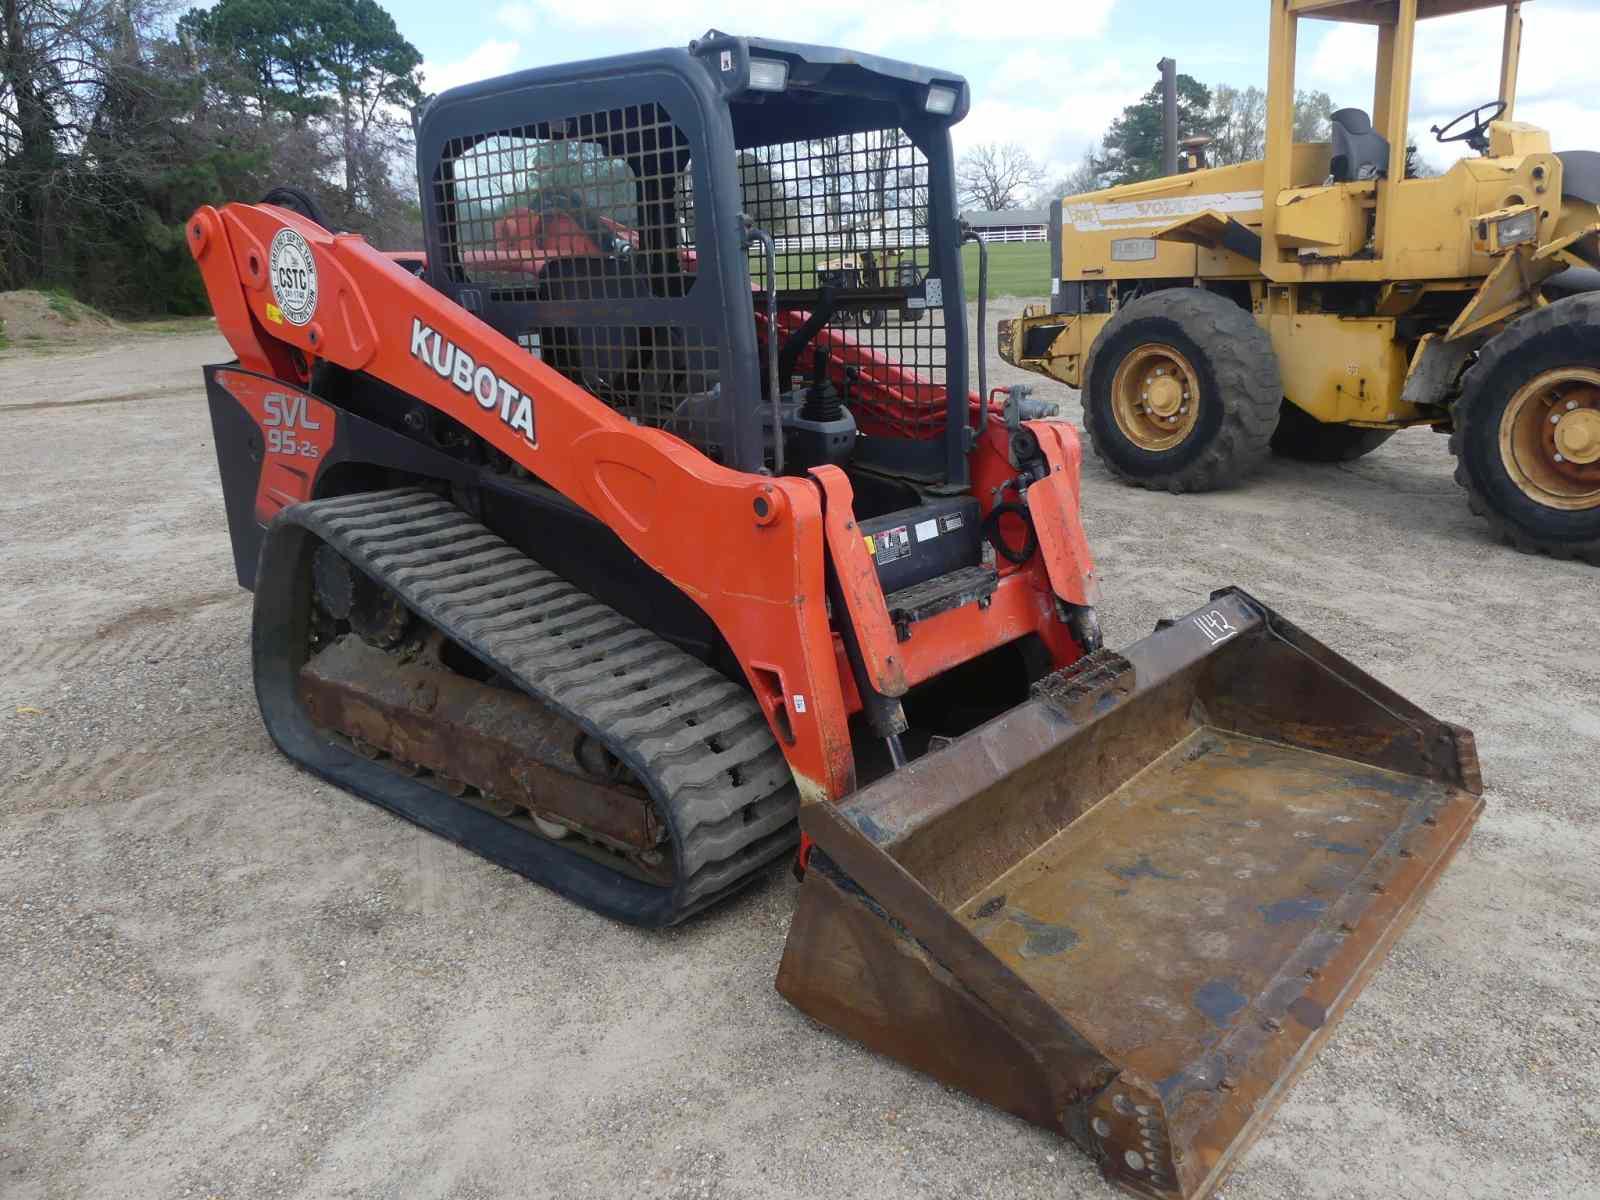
x: 1169, y: 116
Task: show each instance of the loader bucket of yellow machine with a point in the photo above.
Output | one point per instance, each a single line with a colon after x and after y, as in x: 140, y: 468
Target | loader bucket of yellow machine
x: 1131, y: 908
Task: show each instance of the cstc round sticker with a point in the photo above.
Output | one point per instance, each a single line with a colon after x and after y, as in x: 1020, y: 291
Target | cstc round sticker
x: 294, y: 276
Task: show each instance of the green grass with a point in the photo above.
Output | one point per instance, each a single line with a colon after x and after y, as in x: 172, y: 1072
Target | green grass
x: 63, y: 305
x: 1015, y: 269
x: 171, y: 325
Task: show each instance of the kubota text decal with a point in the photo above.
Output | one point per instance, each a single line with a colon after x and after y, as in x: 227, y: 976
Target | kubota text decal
x: 480, y: 382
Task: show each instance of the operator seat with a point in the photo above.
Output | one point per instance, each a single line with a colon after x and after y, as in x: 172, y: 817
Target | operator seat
x: 1358, y: 151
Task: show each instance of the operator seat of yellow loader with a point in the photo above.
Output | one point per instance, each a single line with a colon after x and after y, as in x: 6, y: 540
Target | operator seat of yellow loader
x: 1359, y: 151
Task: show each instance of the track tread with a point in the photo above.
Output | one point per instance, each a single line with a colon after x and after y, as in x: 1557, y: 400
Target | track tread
x: 730, y: 809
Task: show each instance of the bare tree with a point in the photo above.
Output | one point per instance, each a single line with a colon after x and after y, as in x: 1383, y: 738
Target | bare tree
x: 885, y: 154
x: 992, y: 177
x: 1242, y: 125
x: 1311, y: 113
x: 1083, y: 178
x: 49, y: 51
x: 832, y: 156
x: 1242, y: 113
x: 115, y: 122
x: 766, y: 198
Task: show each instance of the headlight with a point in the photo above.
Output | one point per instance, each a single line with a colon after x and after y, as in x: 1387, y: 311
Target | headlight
x: 1524, y: 227
x: 941, y: 100
x: 768, y: 74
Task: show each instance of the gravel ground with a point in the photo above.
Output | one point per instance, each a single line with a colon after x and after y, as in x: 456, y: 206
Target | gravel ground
x: 222, y: 978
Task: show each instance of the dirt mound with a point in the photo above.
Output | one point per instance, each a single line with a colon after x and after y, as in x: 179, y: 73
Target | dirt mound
x: 32, y: 318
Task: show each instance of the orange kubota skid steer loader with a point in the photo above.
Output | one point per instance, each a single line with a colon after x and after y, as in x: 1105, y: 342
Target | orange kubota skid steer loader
x: 591, y: 540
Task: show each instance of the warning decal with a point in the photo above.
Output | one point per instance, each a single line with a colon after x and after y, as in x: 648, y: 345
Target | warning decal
x: 892, y: 544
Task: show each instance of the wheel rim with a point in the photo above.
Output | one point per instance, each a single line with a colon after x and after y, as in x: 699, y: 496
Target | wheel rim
x: 1550, y: 439
x: 1155, y: 397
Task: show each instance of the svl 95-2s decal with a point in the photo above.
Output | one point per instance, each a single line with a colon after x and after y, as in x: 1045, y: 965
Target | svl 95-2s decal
x: 297, y: 432
x: 285, y: 420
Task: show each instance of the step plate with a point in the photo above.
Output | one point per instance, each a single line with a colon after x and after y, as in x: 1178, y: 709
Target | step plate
x: 969, y: 585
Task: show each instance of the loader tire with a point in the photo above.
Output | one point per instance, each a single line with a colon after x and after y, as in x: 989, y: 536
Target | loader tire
x: 1527, y: 431
x: 1182, y: 392
x: 1300, y: 435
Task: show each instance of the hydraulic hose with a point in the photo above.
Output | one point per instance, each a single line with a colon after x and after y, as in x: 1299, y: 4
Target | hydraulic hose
x: 300, y: 201
x: 991, y: 531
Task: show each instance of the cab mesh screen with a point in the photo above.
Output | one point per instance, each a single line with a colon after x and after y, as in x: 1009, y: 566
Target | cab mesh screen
x: 564, y: 221
x: 850, y: 216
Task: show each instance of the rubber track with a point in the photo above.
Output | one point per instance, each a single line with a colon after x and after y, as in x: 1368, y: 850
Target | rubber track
x: 699, y: 743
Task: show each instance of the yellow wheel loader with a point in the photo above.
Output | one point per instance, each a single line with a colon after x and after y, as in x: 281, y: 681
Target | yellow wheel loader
x: 871, y: 260
x: 1317, y: 301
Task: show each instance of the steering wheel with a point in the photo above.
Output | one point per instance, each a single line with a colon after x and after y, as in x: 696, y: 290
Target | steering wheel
x: 1480, y: 125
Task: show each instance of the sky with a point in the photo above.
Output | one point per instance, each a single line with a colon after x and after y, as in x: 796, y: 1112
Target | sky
x: 1054, y: 85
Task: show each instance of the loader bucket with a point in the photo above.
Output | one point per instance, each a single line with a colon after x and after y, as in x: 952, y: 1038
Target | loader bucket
x: 1131, y: 908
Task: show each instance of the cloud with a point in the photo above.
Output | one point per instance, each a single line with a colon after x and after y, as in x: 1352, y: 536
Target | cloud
x: 488, y: 59
x: 1456, y: 65
x: 889, y: 27
x: 885, y: 26
x: 1056, y: 95
x: 1053, y: 104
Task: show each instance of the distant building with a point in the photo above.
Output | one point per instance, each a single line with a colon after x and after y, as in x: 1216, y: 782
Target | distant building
x: 1010, y: 225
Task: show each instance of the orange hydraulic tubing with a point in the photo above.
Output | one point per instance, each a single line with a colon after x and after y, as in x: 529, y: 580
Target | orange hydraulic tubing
x: 753, y: 559
x: 1053, y: 505
x: 858, y: 583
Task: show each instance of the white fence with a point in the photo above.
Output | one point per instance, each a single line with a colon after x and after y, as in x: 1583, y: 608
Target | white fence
x: 808, y: 243
x: 1013, y: 233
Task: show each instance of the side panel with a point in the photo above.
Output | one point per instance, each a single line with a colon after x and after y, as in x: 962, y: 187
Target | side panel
x: 1341, y: 368
x: 297, y: 433
x: 277, y: 445
x: 1331, y: 220
x: 1109, y: 234
x: 856, y: 973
